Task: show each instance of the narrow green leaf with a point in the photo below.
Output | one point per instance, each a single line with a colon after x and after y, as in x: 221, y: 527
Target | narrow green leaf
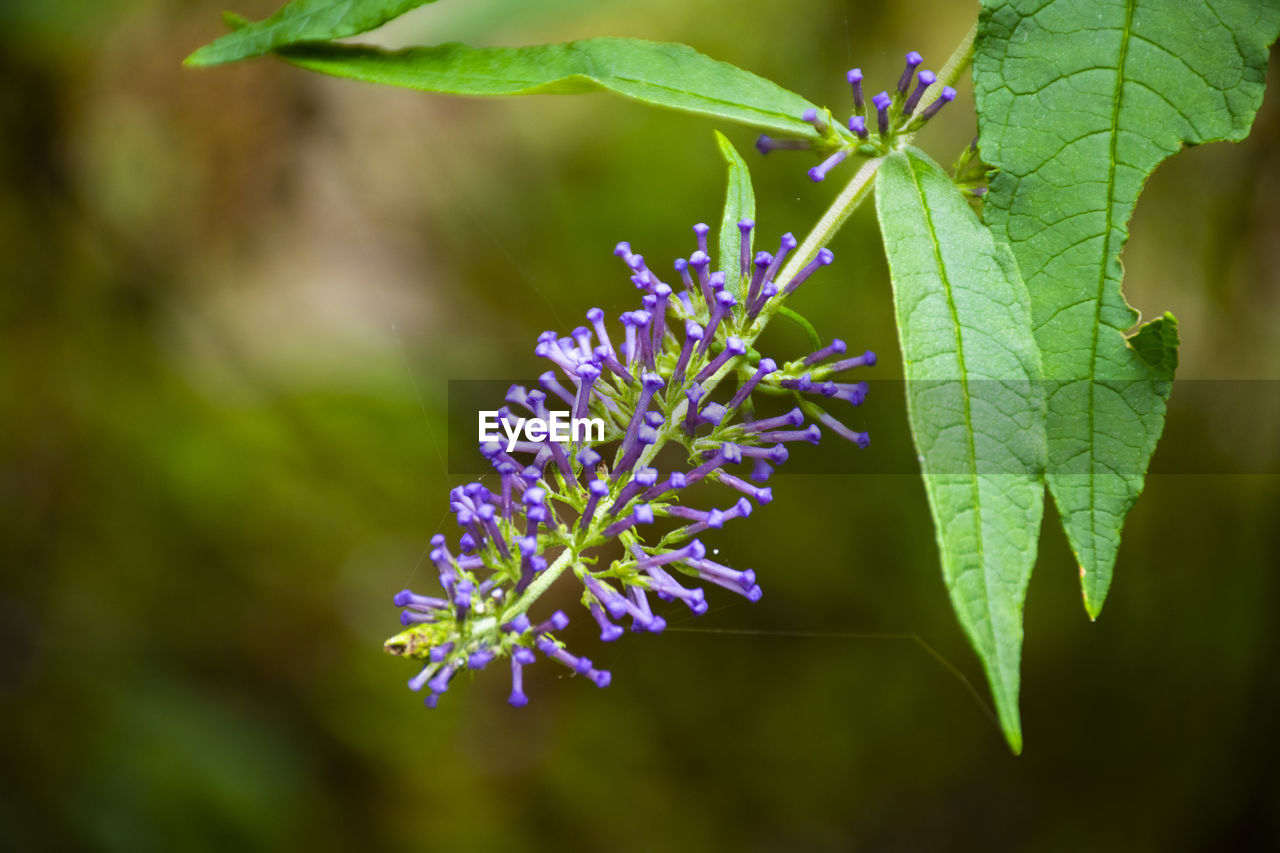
x: 662, y: 74
x: 739, y: 204
x: 1078, y: 103
x: 815, y: 340
x: 975, y: 405
x: 298, y: 22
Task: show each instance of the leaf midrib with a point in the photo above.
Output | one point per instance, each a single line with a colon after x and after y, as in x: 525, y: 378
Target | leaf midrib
x: 1125, y: 35
x: 968, y: 412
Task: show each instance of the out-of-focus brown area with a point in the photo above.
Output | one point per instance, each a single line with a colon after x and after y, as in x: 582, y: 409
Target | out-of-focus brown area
x: 230, y: 302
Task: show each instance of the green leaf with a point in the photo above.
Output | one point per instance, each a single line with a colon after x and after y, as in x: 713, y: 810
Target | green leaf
x: 1078, y: 102
x: 667, y: 75
x: 975, y: 405
x: 739, y: 204
x: 298, y: 22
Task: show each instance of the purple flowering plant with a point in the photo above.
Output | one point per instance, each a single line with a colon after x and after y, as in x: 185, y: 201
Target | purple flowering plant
x: 1023, y: 365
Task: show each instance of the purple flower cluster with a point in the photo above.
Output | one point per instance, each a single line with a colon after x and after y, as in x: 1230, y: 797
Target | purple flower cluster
x: 565, y: 506
x: 893, y: 113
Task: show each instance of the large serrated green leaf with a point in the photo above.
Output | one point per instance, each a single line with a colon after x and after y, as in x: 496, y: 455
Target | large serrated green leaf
x: 1078, y: 102
x: 663, y: 74
x: 739, y: 204
x: 302, y: 21
x: 975, y: 405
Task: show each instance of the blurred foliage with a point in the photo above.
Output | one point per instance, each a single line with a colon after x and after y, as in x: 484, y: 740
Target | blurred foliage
x: 231, y: 304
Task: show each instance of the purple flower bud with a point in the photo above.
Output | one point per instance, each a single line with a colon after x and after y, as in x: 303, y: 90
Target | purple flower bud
x: 666, y: 587
x: 867, y: 359
x: 552, y: 384
x: 855, y: 81
x: 518, y: 697
x: 913, y: 62
x: 692, y: 336
x: 853, y: 393
x: 793, y: 418
x: 861, y: 439
x: 882, y: 102
x: 596, y: 317
x: 762, y: 495
x: 858, y: 125
x: 926, y: 79
x: 948, y: 95
x: 480, y: 658
x: 675, y: 481
x: 440, y: 652
x: 588, y: 459
x: 518, y: 625
x: 785, y: 245
x: 557, y: 622
x: 406, y: 598
x: 822, y: 259
x: 836, y: 347
x: 727, y: 453
x: 765, y: 144
x: 701, y: 263
x: 608, y: 631
x: 644, y: 478
x: 762, y: 262
x: 813, y: 117
x: 596, y: 489
x: 701, y: 230
x: 819, y: 172
x: 744, y: 252
x: 733, y: 348
x: 608, y: 360
x: 763, y: 369
x: 641, y: 514
x: 812, y: 435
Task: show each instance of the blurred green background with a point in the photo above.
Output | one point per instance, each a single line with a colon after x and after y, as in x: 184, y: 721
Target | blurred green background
x: 231, y: 302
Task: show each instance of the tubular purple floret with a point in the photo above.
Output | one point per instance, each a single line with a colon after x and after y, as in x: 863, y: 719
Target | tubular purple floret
x: 777, y: 454
x: 726, y: 453
x: 763, y: 368
x: 692, y: 337
x: 762, y: 262
x: 785, y: 245
x: 822, y: 259
x: 480, y: 658
x: 691, y: 418
x: 644, y: 562
x: 913, y: 62
x: 701, y: 230
x: 518, y: 663
x: 596, y: 317
x: 608, y: 631
x: 596, y: 490
x: 867, y: 359
x: 675, y: 481
x: 793, y: 418
x: 641, y: 514
x: 836, y: 347
x: 644, y: 478
x: 815, y: 118
x: 853, y: 393
x: 761, y: 494
x: 662, y: 295
x: 765, y: 144
x: 858, y: 125
x: 724, y: 302
x: 700, y: 261
x: 854, y: 76
x: 819, y: 173
x: 517, y: 625
x: 812, y: 435
x: 588, y: 459
x: 646, y: 436
x: 682, y: 266
x: 733, y: 348
x: 642, y: 616
x: 418, y: 681
x: 761, y: 470
x: 549, y: 381
x: 926, y: 79
x: 607, y: 359
x: 882, y: 102
x: 861, y: 439
x: 709, y: 570
x: 948, y: 95
x: 614, y: 602
x: 744, y: 255
x: 557, y: 622
x: 666, y: 587
x: 440, y: 652
x: 407, y: 598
